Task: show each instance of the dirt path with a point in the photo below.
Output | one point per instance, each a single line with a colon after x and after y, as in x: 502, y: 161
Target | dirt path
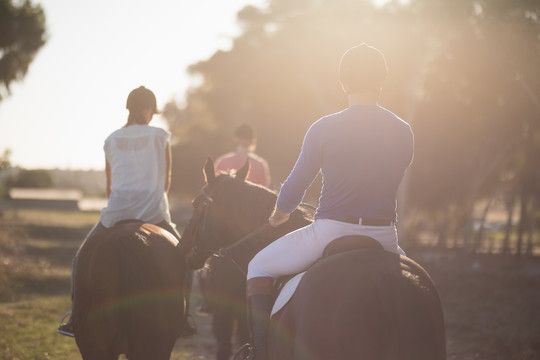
x: 201, y: 346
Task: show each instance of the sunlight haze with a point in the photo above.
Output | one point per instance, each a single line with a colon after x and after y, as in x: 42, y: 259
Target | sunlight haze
x: 74, y: 93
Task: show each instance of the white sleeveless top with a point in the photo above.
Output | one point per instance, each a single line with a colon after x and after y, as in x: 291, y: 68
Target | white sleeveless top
x: 136, y: 155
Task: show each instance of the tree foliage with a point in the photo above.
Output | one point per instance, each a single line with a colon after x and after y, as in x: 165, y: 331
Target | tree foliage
x: 32, y: 179
x: 464, y: 73
x: 5, y: 162
x: 22, y: 34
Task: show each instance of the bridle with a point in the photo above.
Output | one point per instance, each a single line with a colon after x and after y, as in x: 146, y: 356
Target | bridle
x: 223, y: 251
x: 200, y: 224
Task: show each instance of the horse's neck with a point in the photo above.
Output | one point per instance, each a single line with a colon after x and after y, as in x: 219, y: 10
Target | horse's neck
x: 299, y: 220
x: 241, y: 227
x: 296, y: 221
x: 262, y: 240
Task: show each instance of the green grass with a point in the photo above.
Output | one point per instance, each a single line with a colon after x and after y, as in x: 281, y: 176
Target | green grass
x: 36, y: 250
x: 28, y: 329
x: 50, y: 217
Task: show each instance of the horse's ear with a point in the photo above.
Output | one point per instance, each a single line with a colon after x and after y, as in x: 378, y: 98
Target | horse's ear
x: 243, y: 172
x: 209, y: 172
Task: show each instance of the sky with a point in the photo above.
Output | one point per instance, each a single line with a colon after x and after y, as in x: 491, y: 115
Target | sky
x: 97, y: 51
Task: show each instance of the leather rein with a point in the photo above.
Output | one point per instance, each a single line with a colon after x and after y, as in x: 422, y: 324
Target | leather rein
x: 223, y: 252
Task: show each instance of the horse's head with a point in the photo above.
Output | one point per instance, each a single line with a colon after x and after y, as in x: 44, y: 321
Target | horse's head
x: 229, y: 208
x: 216, y: 222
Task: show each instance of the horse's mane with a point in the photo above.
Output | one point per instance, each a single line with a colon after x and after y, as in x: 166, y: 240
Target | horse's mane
x: 246, y: 202
x: 249, y: 204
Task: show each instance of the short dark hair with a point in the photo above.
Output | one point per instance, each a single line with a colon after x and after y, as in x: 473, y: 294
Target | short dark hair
x: 245, y: 132
x: 140, y: 99
x: 362, y: 68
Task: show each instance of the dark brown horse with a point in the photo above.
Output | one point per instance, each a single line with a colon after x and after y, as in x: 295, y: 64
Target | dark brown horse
x: 128, y: 293
x: 360, y: 304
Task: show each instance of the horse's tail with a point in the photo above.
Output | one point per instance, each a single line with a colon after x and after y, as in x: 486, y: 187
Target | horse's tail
x: 150, y: 286
x: 137, y: 274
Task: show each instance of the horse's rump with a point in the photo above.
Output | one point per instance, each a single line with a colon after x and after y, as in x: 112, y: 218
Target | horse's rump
x: 128, y: 291
x: 363, y: 304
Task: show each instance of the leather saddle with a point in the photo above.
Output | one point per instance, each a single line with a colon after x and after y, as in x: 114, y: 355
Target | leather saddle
x: 349, y: 243
x: 285, y: 286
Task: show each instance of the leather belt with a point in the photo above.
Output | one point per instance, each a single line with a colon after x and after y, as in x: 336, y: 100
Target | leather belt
x: 363, y: 221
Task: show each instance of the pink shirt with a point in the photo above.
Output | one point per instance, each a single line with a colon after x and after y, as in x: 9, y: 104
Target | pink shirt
x: 259, y: 172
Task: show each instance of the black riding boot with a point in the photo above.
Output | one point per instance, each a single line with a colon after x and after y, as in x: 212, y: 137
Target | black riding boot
x: 260, y: 301
x: 260, y: 306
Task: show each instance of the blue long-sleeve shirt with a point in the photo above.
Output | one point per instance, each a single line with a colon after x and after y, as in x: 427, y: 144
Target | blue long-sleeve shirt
x: 362, y: 153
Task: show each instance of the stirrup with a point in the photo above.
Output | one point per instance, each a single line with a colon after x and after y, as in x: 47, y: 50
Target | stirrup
x: 66, y: 328
x: 246, y: 352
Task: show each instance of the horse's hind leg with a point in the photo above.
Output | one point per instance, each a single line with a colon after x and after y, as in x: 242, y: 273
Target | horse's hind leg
x: 222, y: 327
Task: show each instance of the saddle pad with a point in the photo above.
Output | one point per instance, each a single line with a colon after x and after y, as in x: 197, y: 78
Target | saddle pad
x: 287, y: 292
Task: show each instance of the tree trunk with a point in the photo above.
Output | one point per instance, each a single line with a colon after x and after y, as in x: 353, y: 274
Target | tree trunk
x: 468, y: 222
x: 480, y: 233
x: 522, y: 223
x: 531, y: 226
x: 443, y: 231
x: 510, y: 206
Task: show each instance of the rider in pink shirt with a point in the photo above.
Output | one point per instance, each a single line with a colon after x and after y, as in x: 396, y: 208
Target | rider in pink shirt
x: 259, y: 173
x: 246, y: 142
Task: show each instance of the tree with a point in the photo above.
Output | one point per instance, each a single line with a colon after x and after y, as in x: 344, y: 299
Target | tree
x: 280, y: 76
x: 465, y: 80
x: 32, y: 179
x: 22, y: 34
x: 475, y: 119
x: 5, y: 163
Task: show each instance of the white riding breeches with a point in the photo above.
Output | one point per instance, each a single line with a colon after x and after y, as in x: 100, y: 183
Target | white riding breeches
x: 298, y: 250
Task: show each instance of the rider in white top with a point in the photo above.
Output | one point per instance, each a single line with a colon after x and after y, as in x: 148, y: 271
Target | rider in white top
x: 136, y: 158
x: 138, y: 169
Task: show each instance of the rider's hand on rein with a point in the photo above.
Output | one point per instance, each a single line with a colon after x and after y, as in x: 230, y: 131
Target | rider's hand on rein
x: 278, y: 217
